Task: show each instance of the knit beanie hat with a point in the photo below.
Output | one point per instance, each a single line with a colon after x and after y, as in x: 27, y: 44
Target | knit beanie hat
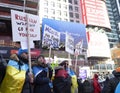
x: 21, y: 51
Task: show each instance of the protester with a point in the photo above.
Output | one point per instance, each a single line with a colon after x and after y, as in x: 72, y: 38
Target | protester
x: 80, y: 85
x: 87, y: 87
x: 42, y: 76
x: 62, y: 81
x: 74, y: 87
x: 105, y: 83
x: 17, y: 78
x: 3, y: 64
x: 96, y: 85
x: 113, y: 82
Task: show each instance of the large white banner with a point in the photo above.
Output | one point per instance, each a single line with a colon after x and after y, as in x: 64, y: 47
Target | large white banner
x: 23, y: 22
x: 51, y: 37
x: 98, y: 45
x: 69, y: 44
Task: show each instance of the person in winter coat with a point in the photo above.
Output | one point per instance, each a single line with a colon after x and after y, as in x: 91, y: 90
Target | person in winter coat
x: 3, y: 64
x: 113, y: 82
x: 42, y: 76
x: 87, y: 87
x: 61, y: 81
x: 17, y: 77
x: 96, y: 85
x: 80, y: 85
x: 74, y: 85
x: 105, y: 83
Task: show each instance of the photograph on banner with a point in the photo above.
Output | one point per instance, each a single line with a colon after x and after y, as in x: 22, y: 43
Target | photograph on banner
x: 24, y: 24
x: 69, y: 43
x: 51, y: 37
x: 79, y: 48
x: 76, y: 30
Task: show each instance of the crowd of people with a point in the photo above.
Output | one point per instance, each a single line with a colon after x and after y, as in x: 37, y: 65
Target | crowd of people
x: 44, y: 79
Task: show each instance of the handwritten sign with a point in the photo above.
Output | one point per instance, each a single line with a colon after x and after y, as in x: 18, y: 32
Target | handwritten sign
x: 23, y: 22
x: 51, y: 37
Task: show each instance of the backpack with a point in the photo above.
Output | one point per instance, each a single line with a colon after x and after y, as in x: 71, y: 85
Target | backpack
x: 117, y: 90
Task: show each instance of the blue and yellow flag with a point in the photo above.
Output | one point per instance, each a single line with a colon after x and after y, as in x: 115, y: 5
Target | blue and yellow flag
x: 14, y: 78
x: 73, y: 80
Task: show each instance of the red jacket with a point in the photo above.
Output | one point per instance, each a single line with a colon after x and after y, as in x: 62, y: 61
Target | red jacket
x: 96, y: 85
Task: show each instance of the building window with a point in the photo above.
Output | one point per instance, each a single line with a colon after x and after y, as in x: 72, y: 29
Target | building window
x: 52, y: 17
x: 65, y: 6
x: 53, y: 4
x: 71, y: 20
x: 58, y: 5
x: 65, y: 13
x: 77, y: 21
x: 45, y: 10
x: 76, y: 15
x: 46, y: 3
x: 64, y: 1
x: 76, y: 9
x: 71, y: 14
x: 59, y: 18
x: 66, y: 19
x: 52, y: 11
x: 58, y: 12
x: 70, y: 1
x: 70, y: 8
x: 76, y: 2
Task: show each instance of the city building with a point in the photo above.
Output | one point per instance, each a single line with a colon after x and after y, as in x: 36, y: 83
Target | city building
x: 7, y: 45
x: 113, y: 7
x: 95, y: 16
x: 30, y: 6
x: 64, y: 10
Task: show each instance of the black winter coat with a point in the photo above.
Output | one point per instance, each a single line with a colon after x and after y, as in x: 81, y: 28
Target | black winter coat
x: 62, y: 85
x: 27, y: 87
x: 87, y: 87
x: 112, y: 83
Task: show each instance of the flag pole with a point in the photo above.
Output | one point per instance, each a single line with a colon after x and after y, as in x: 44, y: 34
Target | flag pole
x: 49, y: 53
x: 29, y: 51
x: 28, y: 39
x: 76, y: 59
x: 69, y: 61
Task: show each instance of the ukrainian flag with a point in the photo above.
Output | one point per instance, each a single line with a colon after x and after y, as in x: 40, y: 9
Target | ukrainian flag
x: 74, y: 86
x: 14, y: 78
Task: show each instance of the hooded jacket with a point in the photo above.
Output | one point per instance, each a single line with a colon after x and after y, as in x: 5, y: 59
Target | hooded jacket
x: 96, y: 85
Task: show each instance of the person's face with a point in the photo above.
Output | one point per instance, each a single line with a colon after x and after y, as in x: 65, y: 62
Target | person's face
x: 66, y: 65
x: 41, y: 60
x: 24, y: 55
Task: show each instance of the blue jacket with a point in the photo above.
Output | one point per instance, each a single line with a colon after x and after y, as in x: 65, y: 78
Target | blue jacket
x: 41, y: 81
